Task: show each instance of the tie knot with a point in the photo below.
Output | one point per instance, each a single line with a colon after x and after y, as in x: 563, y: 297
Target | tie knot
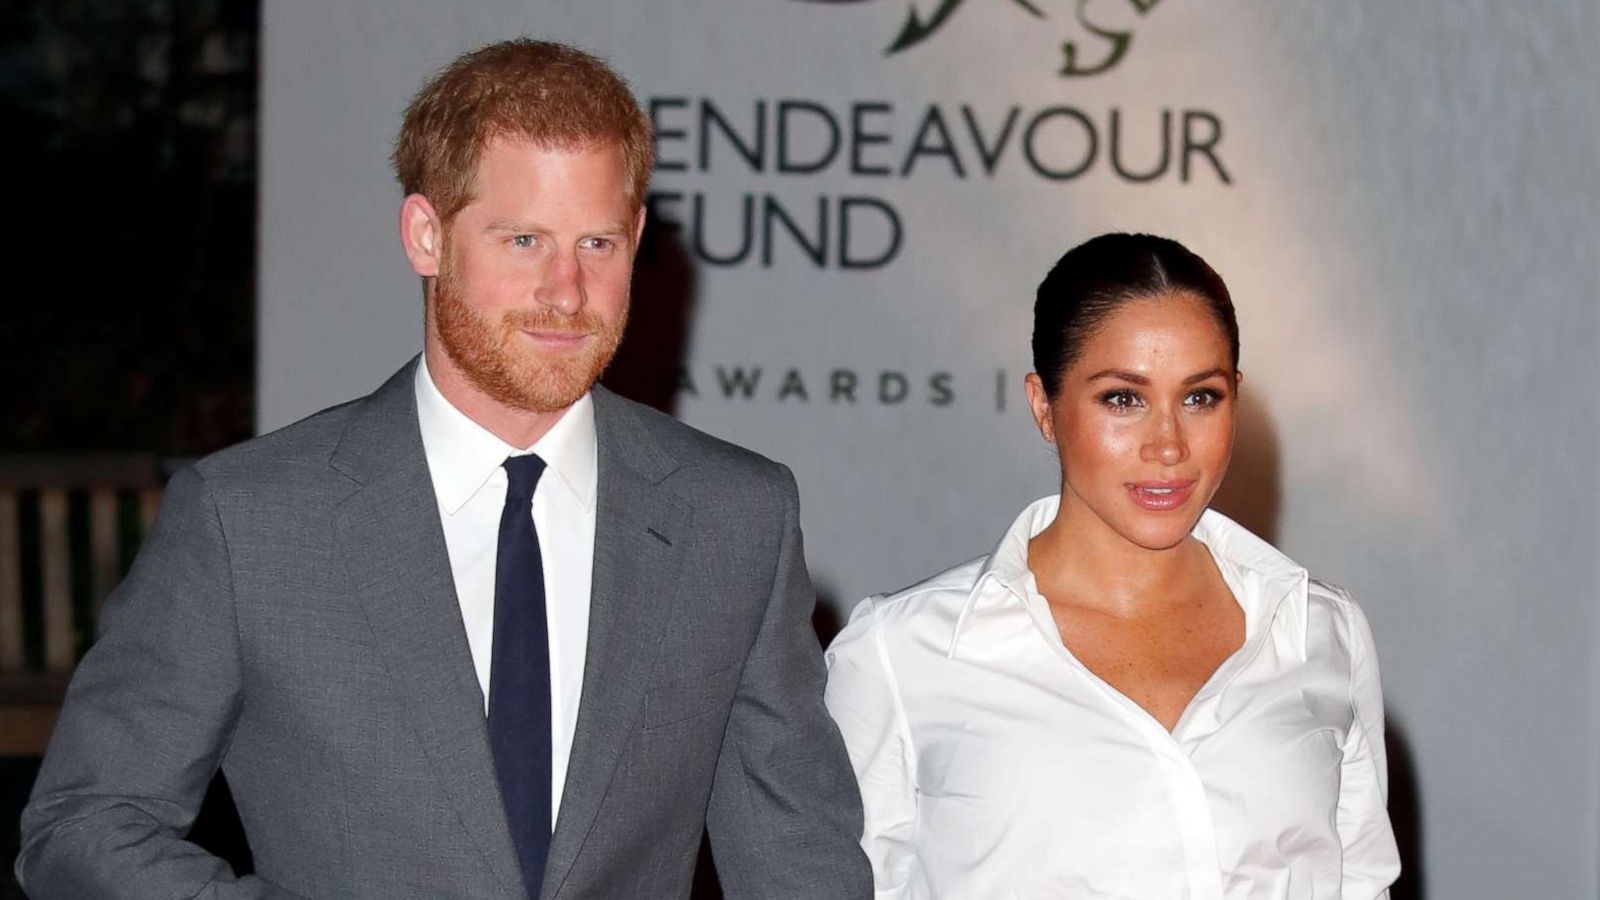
x: 522, y: 475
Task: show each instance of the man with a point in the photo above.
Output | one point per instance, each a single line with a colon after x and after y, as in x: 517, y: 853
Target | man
x: 490, y: 631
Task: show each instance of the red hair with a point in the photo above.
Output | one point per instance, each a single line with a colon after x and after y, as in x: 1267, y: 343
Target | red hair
x: 547, y: 93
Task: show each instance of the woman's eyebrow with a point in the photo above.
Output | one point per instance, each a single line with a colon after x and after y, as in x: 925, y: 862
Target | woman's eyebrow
x: 1122, y: 374
x: 1136, y: 378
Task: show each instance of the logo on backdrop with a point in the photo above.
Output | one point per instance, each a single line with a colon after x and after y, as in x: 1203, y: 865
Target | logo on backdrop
x: 1079, y: 58
x: 861, y: 146
x: 815, y: 180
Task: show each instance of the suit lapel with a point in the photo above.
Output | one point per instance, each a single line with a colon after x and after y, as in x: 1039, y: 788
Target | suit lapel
x: 640, y: 530
x: 392, y: 544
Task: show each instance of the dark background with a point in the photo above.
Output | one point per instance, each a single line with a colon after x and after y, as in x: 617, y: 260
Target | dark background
x: 130, y: 171
x: 129, y: 165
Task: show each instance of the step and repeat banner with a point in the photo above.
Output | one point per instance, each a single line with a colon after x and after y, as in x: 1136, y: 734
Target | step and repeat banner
x: 855, y: 200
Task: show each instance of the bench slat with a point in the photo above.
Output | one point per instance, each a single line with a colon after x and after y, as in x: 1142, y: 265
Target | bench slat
x: 11, y: 658
x: 55, y: 549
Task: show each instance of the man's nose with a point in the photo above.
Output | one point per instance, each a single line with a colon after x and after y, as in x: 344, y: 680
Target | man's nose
x: 561, y: 288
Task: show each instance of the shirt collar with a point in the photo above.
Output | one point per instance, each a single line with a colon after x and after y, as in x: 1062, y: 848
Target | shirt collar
x: 1270, y: 587
x: 463, y: 455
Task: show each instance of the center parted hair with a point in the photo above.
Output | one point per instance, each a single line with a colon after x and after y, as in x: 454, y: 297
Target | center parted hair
x: 550, y: 94
x: 1094, y: 279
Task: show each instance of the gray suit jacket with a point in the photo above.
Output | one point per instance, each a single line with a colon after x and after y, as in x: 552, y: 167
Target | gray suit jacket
x: 292, y: 620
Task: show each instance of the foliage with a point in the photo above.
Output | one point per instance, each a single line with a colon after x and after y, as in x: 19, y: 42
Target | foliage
x: 130, y: 182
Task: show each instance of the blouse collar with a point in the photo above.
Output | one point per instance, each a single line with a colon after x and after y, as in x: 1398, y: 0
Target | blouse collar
x: 1270, y: 587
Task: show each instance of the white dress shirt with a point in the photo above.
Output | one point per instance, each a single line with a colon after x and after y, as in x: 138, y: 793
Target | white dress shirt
x: 464, y: 459
x: 993, y: 764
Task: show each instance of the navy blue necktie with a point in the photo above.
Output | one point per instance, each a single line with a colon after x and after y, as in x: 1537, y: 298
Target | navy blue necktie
x: 519, y: 675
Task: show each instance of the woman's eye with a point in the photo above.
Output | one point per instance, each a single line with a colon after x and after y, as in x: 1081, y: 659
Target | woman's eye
x: 522, y: 240
x: 1120, y: 400
x: 1203, y: 398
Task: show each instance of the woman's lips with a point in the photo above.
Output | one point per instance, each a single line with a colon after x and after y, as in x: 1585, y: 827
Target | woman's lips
x: 1161, y: 495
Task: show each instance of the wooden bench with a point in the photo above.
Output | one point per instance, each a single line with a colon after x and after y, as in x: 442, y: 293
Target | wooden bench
x: 49, y: 499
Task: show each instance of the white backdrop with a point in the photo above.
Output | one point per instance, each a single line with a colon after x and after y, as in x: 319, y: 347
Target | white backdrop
x: 1403, y: 197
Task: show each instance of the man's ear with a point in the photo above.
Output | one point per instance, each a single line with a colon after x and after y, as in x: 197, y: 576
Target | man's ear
x: 638, y: 226
x: 421, y: 235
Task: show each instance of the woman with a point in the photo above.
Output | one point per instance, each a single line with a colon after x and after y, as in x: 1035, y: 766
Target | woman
x: 1131, y: 696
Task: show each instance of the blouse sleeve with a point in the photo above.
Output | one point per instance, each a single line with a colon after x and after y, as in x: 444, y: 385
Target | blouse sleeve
x: 865, y: 701
x: 1371, y: 859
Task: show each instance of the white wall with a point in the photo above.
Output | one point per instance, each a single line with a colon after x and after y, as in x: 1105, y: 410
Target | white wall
x: 1409, y: 227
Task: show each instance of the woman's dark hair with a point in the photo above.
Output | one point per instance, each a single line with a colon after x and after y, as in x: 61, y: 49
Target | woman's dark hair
x: 1094, y: 279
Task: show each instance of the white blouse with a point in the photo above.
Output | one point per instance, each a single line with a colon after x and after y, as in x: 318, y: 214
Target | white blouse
x: 995, y: 765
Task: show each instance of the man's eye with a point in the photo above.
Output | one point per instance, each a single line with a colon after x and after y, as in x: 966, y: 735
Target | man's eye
x: 522, y: 240
x: 598, y: 243
x: 1119, y: 400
